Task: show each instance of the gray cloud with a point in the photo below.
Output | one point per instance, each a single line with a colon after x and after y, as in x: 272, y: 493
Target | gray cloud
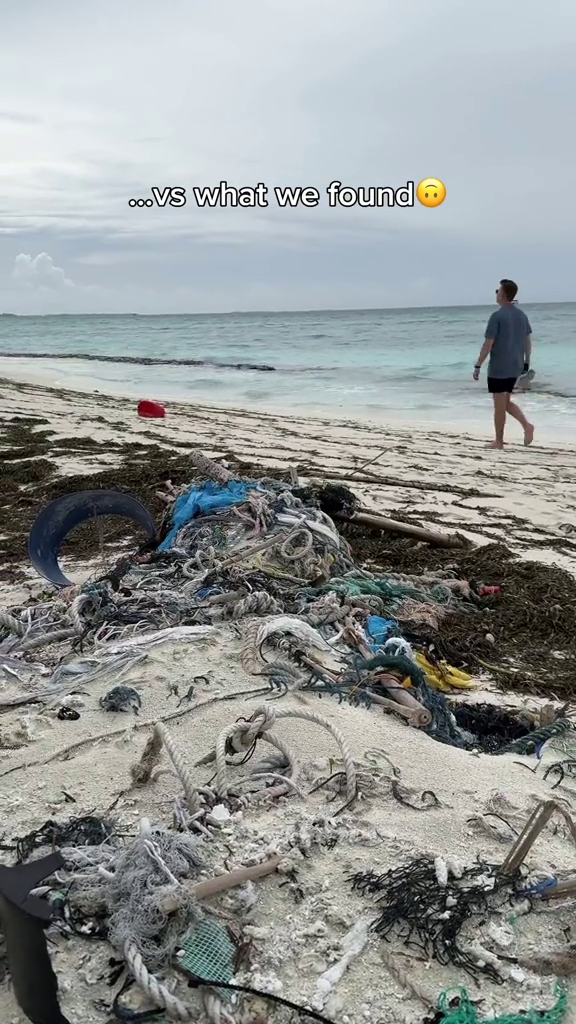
x: 12, y: 117
x: 301, y: 93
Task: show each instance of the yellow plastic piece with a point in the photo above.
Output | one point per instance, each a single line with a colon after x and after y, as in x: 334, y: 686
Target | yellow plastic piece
x: 444, y: 677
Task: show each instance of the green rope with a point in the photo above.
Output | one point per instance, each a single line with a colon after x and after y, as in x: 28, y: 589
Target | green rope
x: 465, y: 1013
x: 391, y: 592
x: 530, y: 743
x: 398, y: 663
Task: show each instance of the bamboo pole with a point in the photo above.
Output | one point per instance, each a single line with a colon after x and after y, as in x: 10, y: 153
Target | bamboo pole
x: 444, y: 540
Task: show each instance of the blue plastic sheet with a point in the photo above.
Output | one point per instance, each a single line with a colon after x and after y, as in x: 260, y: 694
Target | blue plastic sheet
x: 378, y: 630
x: 202, y: 501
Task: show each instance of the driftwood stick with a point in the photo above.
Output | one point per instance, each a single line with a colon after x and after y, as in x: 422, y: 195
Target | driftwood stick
x: 246, y: 552
x: 369, y: 463
x: 415, y: 714
x: 210, y: 468
x: 534, y: 826
x: 221, y: 883
x: 417, y: 719
x: 401, y: 695
x: 444, y: 540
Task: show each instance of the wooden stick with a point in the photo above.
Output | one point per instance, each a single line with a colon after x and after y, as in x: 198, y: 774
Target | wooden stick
x: 534, y: 826
x: 210, y: 468
x: 247, y: 552
x: 220, y: 883
x: 418, y: 720
x: 369, y: 463
x: 400, y: 694
x: 415, y: 714
x: 229, y: 598
x: 444, y: 540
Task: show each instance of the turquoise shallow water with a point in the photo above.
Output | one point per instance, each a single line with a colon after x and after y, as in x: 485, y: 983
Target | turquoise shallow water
x: 395, y: 365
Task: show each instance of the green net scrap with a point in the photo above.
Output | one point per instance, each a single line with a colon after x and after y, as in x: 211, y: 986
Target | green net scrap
x: 465, y: 1012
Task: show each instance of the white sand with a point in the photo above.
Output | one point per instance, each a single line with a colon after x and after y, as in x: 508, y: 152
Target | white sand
x: 526, y: 496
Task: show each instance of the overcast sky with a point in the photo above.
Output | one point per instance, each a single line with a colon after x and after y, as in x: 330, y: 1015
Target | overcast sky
x: 101, y: 102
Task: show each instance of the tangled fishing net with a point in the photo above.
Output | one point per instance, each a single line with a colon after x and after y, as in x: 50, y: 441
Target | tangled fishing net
x: 532, y: 622
x: 130, y: 886
x: 456, y: 1008
x: 234, y: 549
x: 262, y: 550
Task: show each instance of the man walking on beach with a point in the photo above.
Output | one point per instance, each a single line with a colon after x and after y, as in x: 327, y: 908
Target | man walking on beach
x: 509, y: 345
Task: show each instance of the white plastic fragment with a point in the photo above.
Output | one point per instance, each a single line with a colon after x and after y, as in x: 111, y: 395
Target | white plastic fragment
x: 501, y: 934
x: 516, y: 974
x: 441, y: 869
x: 220, y: 813
x: 455, y: 867
x: 352, y: 945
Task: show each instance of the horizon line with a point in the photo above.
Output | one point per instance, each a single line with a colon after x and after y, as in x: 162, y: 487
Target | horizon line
x: 291, y: 312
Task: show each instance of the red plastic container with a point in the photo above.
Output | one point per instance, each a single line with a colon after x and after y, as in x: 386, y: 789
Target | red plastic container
x: 151, y: 410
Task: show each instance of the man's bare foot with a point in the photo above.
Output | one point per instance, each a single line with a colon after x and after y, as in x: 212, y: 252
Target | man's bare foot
x: 529, y: 434
x: 496, y: 444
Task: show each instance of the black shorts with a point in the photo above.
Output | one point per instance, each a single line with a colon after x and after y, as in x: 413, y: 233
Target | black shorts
x: 501, y: 385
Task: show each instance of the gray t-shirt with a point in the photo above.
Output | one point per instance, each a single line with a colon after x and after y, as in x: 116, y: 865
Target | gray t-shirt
x: 509, y: 327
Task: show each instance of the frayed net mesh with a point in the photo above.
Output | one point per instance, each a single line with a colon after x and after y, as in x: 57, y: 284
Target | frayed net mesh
x: 133, y: 897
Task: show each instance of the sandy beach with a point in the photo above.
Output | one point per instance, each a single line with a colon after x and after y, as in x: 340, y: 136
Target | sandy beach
x: 522, y: 499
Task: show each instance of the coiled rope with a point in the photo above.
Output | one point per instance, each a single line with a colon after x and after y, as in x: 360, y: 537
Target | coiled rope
x: 241, y: 738
x: 12, y: 624
x: 244, y: 734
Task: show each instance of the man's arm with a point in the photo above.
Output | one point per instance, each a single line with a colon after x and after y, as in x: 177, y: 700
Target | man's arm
x: 490, y: 335
x: 484, y: 352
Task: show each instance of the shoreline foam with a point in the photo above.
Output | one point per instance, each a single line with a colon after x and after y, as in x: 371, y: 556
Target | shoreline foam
x: 475, y: 429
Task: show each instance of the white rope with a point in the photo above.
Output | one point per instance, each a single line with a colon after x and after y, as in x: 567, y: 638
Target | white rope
x: 215, y: 1009
x: 48, y: 638
x: 76, y: 608
x: 242, y: 735
x: 294, y: 626
x: 292, y: 553
x: 153, y: 851
x: 14, y: 625
x: 156, y: 992
x: 292, y: 519
x: 192, y: 797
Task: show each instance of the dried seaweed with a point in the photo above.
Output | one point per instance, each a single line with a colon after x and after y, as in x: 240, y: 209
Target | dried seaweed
x: 428, y: 916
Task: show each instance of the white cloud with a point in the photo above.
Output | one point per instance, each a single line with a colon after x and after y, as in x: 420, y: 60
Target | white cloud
x: 39, y: 272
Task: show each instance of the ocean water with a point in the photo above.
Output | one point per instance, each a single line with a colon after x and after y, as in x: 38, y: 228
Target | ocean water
x: 404, y: 366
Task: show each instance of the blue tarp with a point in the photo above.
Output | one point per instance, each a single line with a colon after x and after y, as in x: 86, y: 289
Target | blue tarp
x: 202, y: 501
x: 378, y: 630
